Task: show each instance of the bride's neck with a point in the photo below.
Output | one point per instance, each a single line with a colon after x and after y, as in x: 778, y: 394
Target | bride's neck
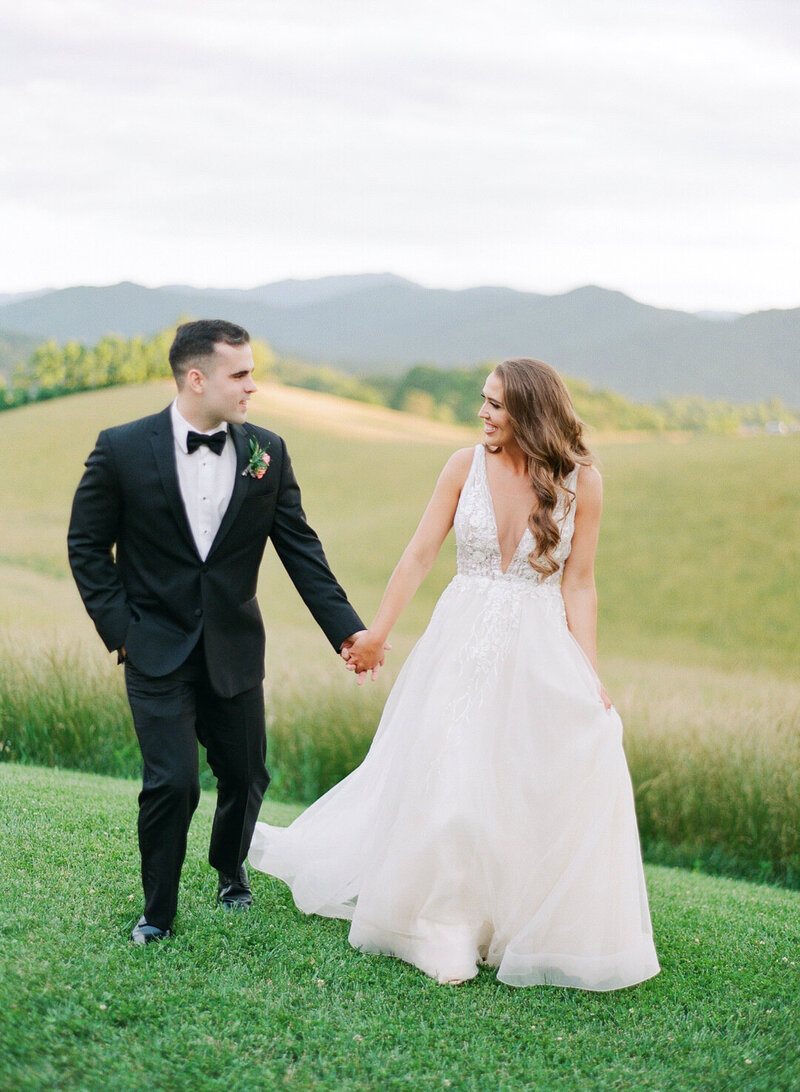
x: 513, y: 457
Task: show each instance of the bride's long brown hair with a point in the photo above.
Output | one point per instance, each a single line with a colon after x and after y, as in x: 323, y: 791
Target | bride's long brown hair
x: 550, y: 433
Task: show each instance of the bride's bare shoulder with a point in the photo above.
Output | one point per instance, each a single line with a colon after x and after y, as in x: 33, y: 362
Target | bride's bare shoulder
x: 589, y: 489
x: 589, y: 476
x: 463, y: 457
x: 457, y: 466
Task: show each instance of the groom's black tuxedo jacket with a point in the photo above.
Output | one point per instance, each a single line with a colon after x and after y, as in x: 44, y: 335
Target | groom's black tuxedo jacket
x: 142, y: 580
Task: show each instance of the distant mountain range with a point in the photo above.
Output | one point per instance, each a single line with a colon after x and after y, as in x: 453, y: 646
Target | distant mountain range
x: 381, y: 323
x: 15, y: 349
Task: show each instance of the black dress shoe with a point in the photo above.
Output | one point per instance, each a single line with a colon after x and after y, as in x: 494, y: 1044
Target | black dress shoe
x: 233, y: 892
x: 146, y: 934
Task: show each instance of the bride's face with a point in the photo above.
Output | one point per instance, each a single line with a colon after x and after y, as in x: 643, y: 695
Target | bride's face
x: 497, y: 426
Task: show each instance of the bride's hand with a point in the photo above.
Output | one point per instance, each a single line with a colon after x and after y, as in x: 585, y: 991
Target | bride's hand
x: 606, y: 700
x: 364, y: 654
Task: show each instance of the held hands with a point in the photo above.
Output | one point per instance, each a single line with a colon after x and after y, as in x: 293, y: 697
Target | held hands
x: 363, y: 653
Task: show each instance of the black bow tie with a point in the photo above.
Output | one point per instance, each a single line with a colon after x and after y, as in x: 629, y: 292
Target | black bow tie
x: 215, y: 442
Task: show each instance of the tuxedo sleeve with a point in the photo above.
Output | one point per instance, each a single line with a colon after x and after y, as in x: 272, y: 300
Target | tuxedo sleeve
x: 301, y: 553
x: 93, y: 531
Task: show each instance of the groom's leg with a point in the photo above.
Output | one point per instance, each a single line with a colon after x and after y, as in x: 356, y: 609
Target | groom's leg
x: 233, y: 733
x: 164, y: 717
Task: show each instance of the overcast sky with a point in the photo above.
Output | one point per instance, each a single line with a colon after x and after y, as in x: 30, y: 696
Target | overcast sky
x: 544, y: 144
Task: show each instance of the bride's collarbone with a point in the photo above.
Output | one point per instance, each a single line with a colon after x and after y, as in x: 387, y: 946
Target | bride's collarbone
x: 512, y: 499
x: 509, y: 482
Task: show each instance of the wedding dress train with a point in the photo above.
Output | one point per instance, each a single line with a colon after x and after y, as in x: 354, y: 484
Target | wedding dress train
x: 493, y: 818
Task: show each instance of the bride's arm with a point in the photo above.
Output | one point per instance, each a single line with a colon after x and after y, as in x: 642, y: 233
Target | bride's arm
x: 414, y: 565
x: 578, y: 586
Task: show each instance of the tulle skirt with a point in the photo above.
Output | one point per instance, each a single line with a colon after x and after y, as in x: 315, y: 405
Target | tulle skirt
x: 492, y: 820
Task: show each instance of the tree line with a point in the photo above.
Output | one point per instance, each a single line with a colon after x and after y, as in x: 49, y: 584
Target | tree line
x: 450, y: 395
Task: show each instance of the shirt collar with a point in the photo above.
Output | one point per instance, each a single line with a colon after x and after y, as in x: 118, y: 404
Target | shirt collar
x: 181, y: 428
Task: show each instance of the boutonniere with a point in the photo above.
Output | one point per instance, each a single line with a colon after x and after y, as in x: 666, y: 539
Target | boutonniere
x: 259, y: 461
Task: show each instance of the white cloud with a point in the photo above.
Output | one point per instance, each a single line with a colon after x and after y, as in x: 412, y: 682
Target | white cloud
x: 655, y: 149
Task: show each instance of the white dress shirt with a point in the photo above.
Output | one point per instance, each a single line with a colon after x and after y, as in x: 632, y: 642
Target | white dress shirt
x: 205, y: 480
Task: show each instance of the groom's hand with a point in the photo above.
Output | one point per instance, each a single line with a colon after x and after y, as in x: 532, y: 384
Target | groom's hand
x: 363, y: 653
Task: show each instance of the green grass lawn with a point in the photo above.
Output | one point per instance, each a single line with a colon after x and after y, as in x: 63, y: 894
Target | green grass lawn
x: 271, y: 999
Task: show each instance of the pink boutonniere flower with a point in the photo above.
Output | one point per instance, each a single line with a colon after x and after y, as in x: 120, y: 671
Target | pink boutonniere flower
x: 259, y: 461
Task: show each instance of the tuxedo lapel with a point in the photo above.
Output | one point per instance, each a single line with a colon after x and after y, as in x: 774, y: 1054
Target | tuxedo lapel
x: 163, y: 445
x: 240, y: 484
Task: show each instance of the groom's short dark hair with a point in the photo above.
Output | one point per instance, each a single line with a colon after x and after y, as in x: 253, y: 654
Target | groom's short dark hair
x: 195, y: 340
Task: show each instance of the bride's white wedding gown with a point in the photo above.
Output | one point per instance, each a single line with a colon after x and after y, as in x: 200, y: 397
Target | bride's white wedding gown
x: 493, y: 817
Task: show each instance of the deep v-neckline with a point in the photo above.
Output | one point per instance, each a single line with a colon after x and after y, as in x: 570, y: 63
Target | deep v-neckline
x: 490, y: 501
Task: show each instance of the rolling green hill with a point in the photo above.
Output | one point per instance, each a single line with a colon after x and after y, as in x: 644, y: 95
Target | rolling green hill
x: 442, y: 394
x: 697, y: 575
x: 699, y: 559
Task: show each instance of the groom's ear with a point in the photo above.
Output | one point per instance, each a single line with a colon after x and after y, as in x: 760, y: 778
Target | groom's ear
x: 195, y: 379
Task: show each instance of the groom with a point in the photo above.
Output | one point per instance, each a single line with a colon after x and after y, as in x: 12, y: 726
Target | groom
x: 168, y: 527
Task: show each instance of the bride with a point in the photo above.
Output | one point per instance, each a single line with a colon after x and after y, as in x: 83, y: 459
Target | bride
x: 492, y: 820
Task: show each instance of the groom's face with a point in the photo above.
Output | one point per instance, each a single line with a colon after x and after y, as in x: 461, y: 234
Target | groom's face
x: 227, y: 383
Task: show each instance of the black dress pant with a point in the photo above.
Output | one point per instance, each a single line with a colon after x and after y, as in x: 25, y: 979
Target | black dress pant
x: 170, y: 714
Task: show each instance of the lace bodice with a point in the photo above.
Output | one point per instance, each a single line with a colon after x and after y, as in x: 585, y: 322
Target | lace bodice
x: 478, y: 548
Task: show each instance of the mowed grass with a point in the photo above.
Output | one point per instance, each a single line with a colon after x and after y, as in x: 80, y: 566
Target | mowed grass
x: 272, y: 999
x: 699, y: 561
